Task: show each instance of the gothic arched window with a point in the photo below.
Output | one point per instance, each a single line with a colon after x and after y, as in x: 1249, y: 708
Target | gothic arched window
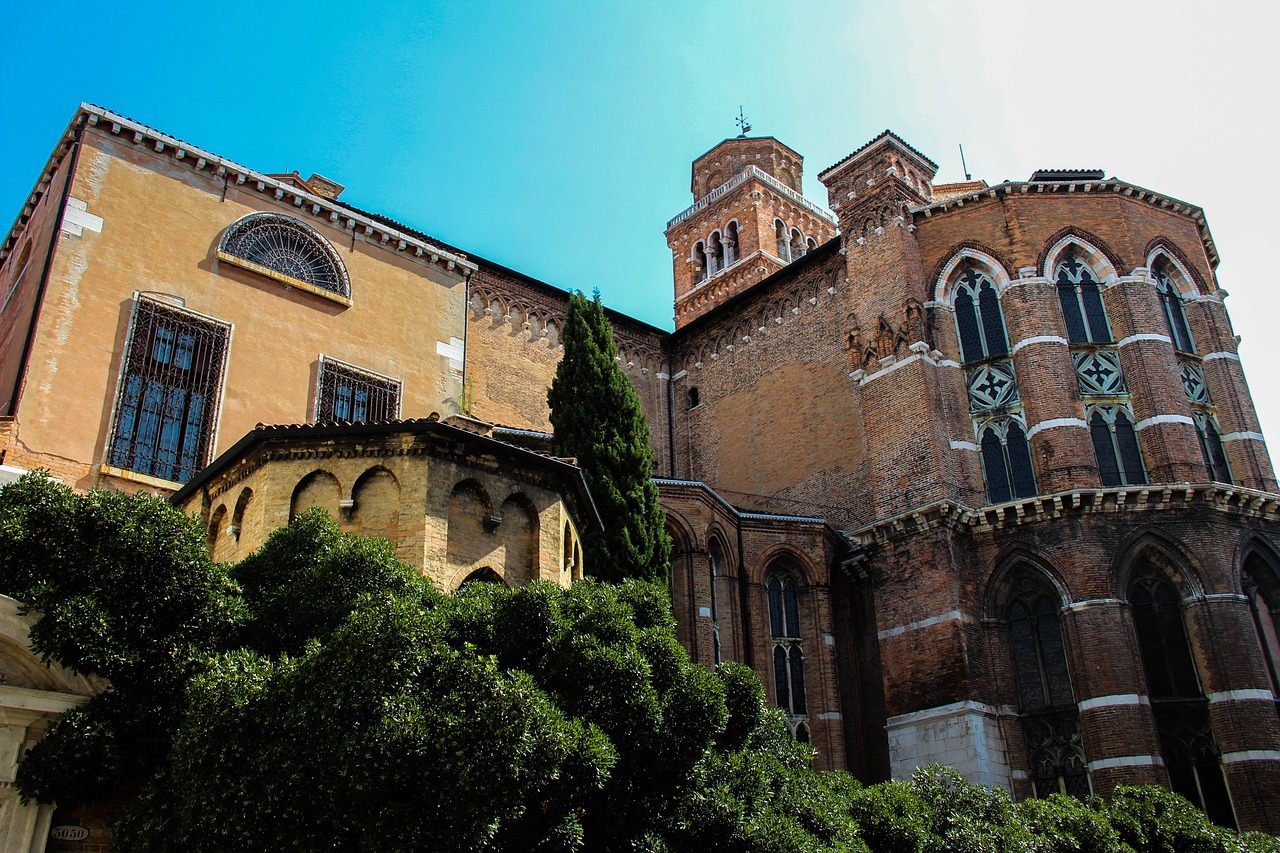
x: 1050, y: 718
x: 1178, y: 703
x: 284, y: 245
x: 784, y: 629
x: 798, y: 247
x: 783, y: 241
x: 1006, y: 461
x: 715, y: 254
x: 1081, y: 299
x: 1171, y: 304
x: 700, y: 261
x: 978, y: 319
x: 731, y: 244
x: 1211, y: 447
x: 1261, y: 585
x: 1116, y: 445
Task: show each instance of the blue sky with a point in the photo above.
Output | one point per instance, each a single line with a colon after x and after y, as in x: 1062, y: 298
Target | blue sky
x: 556, y: 137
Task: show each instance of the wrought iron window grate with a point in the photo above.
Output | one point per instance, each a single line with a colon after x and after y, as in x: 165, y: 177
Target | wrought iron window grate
x: 167, y: 402
x: 285, y: 245
x: 347, y: 393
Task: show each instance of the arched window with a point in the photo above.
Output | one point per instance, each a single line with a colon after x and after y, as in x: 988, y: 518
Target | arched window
x: 810, y: 243
x: 1211, y: 448
x: 1081, y: 300
x: 1050, y: 718
x: 1178, y: 703
x: 797, y: 244
x: 1116, y: 445
x: 784, y: 246
x: 1171, y: 303
x: 289, y: 247
x: 1261, y: 585
x: 1006, y: 461
x: 715, y: 254
x: 731, y: 244
x: 700, y: 261
x: 784, y: 629
x: 978, y: 320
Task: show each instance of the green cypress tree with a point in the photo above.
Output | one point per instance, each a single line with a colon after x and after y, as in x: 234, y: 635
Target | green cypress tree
x: 597, y: 419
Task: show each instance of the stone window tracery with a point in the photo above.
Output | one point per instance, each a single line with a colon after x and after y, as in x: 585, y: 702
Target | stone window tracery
x: 283, y: 245
x: 978, y: 319
x: 1212, y: 450
x: 1171, y: 305
x: 1050, y: 718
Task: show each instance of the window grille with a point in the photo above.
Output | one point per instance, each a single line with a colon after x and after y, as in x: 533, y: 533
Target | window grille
x: 168, y: 397
x: 284, y: 245
x: 1193, y: 382
x: 992, y: 386
x: 1116, y: 445
x: 1081, y: 300
x: 347, y: 393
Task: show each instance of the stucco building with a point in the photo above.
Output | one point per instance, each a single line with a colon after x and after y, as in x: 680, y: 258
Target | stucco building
x: 967, y: 473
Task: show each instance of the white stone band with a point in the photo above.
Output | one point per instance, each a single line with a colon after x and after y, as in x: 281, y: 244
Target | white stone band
x: 1243, y: 696
x: 1243, y: 436
x: 1112, y: 701
x: 1251, y: 755
x: 1146, y: 337
x: 1057, y: 422
x: 1094, y: 602
x: 1163, y: 419
x: 917, y: 625
x: 1038, y: 339
x: 965, y: 445
x: 1214, y: 356
x: 1127, y: 761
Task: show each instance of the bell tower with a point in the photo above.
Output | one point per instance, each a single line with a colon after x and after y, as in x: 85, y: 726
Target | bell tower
x: 748, y: 221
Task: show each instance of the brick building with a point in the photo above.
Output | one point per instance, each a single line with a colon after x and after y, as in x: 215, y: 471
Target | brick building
x: 968, y: 473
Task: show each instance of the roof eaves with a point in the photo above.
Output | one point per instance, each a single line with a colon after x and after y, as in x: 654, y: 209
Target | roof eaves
x: 882, y: 137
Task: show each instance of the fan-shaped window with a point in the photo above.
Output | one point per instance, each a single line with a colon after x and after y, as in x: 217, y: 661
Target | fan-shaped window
x: 1171, y: 304
x: 1116, y: 445
x: 1050, y: 718
x: 978, y: 320
x: 1178, y: 704
x: 282, y: 245
x: 1006, y: 461
x: 1081, y: 300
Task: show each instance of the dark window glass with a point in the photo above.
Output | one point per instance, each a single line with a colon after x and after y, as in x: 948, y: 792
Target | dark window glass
x: 1162, y: 637
x: 350, y: 394
x: 774, y: 587
x: 1211, y: 449
x: 1266, y: 626
x: 1130, y: 455
x: 1100, y: 432
x: 1021, y: 474
x: 1076, y: 331
x: 1175, y: 318
x: 967, y: 325
x: 797, y: 681
x: 173, y: 368
x: 992, y: 323
x: 1081, y: 300
x: 993, y: 463
x: 1095, y: 313
x: 781, y: 677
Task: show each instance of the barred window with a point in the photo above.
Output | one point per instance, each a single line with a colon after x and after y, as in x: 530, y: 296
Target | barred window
x: 978, y: 319
x: 168, y: 397
x: 1116, y: 445
x: 289, y: 247
x: 1081, y: 300
x: 348, y: 393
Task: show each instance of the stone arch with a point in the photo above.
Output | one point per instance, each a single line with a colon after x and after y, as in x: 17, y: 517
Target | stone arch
x: 215, y: 529
x: 1017, y: 562
x: 520, y: 533
x: 469, y: 524
x: 376, y: 503
x: 964, y: 255
x: 484, y: 574
x: 1254, y: 547
x: 1104, y: 262
x: 803, y: 568
x: 1091, y: 250
x: 1183, y: 273
x: 319, y: 488
x: 1167, y: 554
x: 242, y: 507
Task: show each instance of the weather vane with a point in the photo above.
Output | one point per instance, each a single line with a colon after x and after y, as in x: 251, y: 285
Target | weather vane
x: 742, y: 122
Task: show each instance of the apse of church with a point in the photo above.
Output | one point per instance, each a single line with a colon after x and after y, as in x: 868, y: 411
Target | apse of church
x: 967, y: 473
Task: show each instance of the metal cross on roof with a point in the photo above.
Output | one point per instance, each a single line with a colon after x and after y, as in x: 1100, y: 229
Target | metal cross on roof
x: 742, y: 123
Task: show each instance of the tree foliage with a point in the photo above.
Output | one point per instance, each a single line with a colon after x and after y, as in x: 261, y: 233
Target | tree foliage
x: 597, y: 419
x: 320, y: 695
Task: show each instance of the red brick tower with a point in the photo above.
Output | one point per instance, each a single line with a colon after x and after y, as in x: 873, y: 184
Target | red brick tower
x: 748, y: 221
